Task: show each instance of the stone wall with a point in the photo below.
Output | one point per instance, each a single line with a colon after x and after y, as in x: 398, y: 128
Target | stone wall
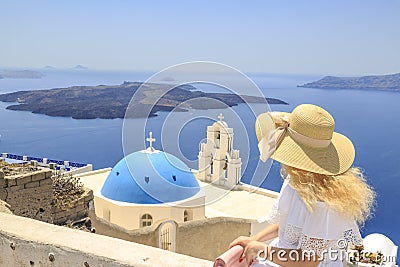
x: 79, y: 209
x: 205, y: 239
x: 145, y: 236
x: 31, y: 194
x: 209, y: 238
x: 25, y: 242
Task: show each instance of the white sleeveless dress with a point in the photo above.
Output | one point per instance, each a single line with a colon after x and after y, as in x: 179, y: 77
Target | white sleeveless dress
x: 323, y: 231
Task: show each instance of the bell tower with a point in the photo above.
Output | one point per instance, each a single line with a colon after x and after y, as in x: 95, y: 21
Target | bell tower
x: 219, y: 163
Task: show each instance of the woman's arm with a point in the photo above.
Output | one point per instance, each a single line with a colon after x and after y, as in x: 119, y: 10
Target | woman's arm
x: 269, y: 232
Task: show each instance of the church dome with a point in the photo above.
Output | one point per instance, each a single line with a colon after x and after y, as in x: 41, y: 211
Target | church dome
x: 150, y: 177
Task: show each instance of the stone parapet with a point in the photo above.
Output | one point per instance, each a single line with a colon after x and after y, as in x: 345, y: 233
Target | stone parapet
x: 25, y: 242
x: 31, y: 195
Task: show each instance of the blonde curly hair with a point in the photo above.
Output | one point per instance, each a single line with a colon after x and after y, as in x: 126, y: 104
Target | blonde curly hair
x: 348, y: 193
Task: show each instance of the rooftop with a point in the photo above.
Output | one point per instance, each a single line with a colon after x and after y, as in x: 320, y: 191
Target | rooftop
x: 229, y: 203
x: 55, y: 164
x: 235, y: 203
x: 150, y: 177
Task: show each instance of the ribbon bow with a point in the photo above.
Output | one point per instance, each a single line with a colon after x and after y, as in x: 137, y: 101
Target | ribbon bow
x: 271, y: 141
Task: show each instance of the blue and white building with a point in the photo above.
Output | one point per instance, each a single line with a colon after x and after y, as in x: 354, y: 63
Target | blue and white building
x: 148, y: 187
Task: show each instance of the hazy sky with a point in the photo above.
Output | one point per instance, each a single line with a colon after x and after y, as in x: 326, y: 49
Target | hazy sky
x: 298, y: 36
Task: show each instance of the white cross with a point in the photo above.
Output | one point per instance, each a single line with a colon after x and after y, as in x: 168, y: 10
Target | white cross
x: 220, y: 117
x: 150, y: 139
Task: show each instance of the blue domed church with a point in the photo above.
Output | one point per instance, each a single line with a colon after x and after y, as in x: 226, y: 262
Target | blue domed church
x: 147, y: 187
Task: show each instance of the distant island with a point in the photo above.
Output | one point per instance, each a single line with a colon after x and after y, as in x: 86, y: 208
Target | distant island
x: 109, y: 102
x: 20, y: 74
x: 390, y: 82
x: 79, y: 67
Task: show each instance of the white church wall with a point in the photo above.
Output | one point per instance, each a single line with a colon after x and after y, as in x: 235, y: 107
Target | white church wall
x: 129, y: 216
x: 195, y: 205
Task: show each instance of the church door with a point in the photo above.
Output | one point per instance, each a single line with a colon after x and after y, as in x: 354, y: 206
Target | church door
x: 167, y: 235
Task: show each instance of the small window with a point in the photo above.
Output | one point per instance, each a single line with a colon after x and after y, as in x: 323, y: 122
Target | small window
x: 146, y: 220
x: 218, y: 135
x: 225, y: 165
x: 187, y: 215
x: 174, y: 177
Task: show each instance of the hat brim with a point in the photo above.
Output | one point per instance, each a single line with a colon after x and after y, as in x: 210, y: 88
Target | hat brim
x: 335, y: 159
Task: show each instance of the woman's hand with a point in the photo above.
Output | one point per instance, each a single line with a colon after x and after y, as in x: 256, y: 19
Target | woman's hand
x: 252, y: 250
x: 241, y: 241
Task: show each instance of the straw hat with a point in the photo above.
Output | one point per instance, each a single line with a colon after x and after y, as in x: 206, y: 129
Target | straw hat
x: 304, y: 139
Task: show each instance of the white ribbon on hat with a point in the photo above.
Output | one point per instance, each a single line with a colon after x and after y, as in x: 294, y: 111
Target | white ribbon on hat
x: 270, y: 142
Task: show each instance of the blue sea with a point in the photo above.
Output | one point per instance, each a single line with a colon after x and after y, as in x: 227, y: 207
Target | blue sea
x: 369, y: 118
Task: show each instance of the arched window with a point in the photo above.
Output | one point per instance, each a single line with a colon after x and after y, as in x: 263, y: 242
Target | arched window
x: 146, y: 220
x: 225, y: 168
x: 217, y: 139
x: 187, y: 215
x: 212, y: 165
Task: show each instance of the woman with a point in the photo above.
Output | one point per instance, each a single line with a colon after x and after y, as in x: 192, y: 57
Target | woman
x: 323, y: 198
